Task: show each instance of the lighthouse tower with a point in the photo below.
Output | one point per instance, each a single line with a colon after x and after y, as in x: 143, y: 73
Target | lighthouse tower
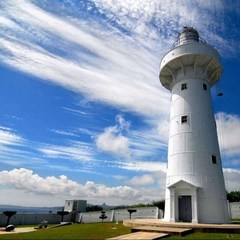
x: 195, y: 189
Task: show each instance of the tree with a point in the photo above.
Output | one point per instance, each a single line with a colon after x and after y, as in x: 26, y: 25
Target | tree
x: 93, y: 208
x: 160, y: 204
x: 233, y: 196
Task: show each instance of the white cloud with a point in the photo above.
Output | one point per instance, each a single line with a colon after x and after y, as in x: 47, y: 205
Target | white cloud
x: 150, y: 194
x: 28, y: 186
x: 112, y: 143
x: 232, y: 179
x: 119, y: 177
x: 32, y: 184
x: 143, y: 166
x: 78, y: 151
x: 123, y: 125
x: 75, y: 111
x: 163, y: 130
x: 120, y: 73
x: 136, y: 144
x: 112, y: 140
x: 142, y: 16
x: 123, y: 72
x: 63, y: 132
x: 156, y: 188
x: 147, y: 142
x: 8, y: 137
x: 228, y: 126
x: 141, y: 180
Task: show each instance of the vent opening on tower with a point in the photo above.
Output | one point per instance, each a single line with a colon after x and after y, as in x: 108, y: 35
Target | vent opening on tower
x: 214, y: 159
x: 183, y: 86
x: 184, y: 119
x: 205, y: 86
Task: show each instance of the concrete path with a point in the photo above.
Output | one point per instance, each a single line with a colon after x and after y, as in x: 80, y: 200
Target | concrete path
x: 141, y: 236
x: 226, y: 228
x: 170, y: 230
x: 18, y: 230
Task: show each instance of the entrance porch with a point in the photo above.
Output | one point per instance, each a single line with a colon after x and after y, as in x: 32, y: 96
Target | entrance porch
x: 183, y: 202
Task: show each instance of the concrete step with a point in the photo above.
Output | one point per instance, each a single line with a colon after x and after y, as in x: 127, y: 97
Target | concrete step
x: 200, y: 227
x: 170, y: 230
x: 141, y: 236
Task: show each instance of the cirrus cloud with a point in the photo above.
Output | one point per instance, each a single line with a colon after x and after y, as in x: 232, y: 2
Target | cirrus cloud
x: 8, y: 137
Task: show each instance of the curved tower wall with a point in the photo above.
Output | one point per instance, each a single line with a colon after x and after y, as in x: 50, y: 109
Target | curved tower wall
x: 194, y: 175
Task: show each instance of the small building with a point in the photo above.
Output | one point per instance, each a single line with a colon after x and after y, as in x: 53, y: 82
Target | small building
x: 75, y: 205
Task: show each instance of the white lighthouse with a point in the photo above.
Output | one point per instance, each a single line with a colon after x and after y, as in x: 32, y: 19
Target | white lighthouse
x: 195, y: 189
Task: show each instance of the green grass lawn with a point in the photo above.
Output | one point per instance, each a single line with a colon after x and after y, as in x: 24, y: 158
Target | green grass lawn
x: 74, y: 231
x: 101, y: 231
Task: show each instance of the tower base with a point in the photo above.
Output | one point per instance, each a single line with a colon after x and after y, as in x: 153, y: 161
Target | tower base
x: 185, y: 203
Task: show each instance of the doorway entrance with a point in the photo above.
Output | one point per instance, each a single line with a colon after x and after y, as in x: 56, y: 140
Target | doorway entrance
x: 185, y: 208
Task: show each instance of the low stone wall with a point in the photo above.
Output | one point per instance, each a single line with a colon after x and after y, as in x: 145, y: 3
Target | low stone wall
x: 30, y: 219
x: 147, y: 212
x: 85, y: 217
x: 91, y: 217
x: 119, y: 215
x: 234, y: 209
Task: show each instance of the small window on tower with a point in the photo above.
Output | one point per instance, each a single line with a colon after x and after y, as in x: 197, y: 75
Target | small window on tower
x: 204, y: 86
x: 184, y: 86
x: 184, y: 119
x: 214, y: 159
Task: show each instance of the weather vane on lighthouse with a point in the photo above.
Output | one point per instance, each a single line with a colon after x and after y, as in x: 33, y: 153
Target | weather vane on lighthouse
x: 195, y: 189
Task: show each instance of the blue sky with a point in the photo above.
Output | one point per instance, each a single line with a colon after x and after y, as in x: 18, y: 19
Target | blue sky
x: 83, y: 114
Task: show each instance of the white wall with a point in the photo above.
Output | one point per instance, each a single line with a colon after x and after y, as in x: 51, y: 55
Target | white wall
x: 120, y: 215
x: 29, y: 219
x: 234, y: 209
x: 147, y: 212
x: 84, y: 217
x: 89, y: 217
